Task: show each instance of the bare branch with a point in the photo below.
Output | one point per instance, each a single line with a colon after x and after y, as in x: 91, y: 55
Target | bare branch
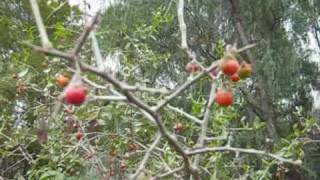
x: 240, y: 129
x: 248, y: 151
x: 147, y: 115
x: 93, y: 84
x: 245, y: 48
x: 56, y: 10
x: 216, y: 138
x: 146, y: 157
x: 184, y: 86
x: 146, y: 89
x: 182, y: 24
x: 136, y: 101
x: 41, y: 28
x: 49, y: 51
x: 81, y: 40
x: 171, y: 172
x: 108, y: 98
x: 187, y: 115
x: 204, y: 125
x: 97, y: 52
x: 127, y: 87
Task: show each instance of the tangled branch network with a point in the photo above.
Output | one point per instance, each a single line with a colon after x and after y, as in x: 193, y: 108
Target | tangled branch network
x: 126, y: 93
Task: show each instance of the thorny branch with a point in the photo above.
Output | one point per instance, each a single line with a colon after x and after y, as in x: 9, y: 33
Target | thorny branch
x: 146, y: 157
x: 150, y: 112
x: 242, y: 150
x: 182, y: 24
x: 204, y: 125
x: 187, y: 115
x: 42, y: 30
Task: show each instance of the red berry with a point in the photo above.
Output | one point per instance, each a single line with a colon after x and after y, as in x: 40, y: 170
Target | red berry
x: 235, y: 77
x: 79, y: 135
x: 224, y: 98
x: 192, y: 67
x: 178, y: 127
x: 75, y: 95
x: 229, y: 67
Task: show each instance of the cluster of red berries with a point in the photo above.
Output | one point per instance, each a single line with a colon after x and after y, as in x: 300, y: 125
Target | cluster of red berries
x: 232, y: 69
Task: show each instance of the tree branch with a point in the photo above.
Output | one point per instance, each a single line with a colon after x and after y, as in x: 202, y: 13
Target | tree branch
x: 96, y: 51
x: 84, y: 35
x: 248, y: 151
x: 182, y: 24
x: 184, y: 86
x: 187, y: 115
x: 170, y: 172
x: 146, y: 157
x: 204, y: 125
x: 141, y: 105
x: 49, y: 51
x: 146, y: 89
x: 41, y: 28
x: 108, y: 98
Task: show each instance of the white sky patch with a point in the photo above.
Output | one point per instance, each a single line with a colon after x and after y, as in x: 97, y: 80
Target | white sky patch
x: 90, y: 7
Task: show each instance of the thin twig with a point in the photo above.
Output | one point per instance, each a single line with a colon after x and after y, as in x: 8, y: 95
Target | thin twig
x: 170, y: 172
x: 205, y: 120
x: 48, y: 51
x: 146, y: 157
x: 56, y: 10
x: 146, y: 89
x: 184, y: 86
x: 93, y: 84
x: 108, y: 98
x: 242, y: 150
x: 187, y: 115
x: 218, y: 138
x: 245, y: 48
x: 96, y: 51
x: 84, y: 35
